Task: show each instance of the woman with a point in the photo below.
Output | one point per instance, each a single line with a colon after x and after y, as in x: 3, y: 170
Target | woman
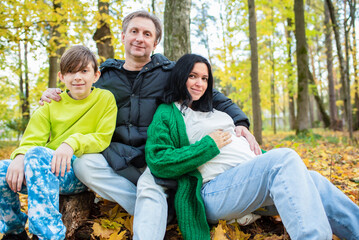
x: 219, y: 177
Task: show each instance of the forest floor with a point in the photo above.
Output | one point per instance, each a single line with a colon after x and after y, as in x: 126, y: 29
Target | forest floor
x: 328, y: 152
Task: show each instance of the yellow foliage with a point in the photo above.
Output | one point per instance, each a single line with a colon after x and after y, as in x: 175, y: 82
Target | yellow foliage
x: 219, y: 233
x: 224, y: 231
x: 119, y: 236
x: 102, y: 232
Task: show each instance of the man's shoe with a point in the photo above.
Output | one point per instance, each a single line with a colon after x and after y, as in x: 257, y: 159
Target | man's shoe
x: 12, y: 236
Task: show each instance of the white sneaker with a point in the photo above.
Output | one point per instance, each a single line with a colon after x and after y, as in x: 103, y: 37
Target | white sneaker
x: 245, y: 220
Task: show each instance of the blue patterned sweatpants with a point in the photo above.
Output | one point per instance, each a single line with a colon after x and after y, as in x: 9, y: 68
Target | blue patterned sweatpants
x: 43, y: 189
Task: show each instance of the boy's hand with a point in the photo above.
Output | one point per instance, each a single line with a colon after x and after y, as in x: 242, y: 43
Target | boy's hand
x: 61, y: 159
x: 51, y: 93
x: 243, y: 131
x: 15, y: 175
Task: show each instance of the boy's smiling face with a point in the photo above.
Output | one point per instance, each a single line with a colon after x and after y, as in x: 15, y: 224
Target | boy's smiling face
x: 79, y: 83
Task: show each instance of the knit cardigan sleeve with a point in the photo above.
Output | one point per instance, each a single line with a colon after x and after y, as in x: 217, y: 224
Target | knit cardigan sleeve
x: 168, y: 152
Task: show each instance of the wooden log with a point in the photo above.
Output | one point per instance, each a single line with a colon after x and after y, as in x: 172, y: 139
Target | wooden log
x: 76, y: 210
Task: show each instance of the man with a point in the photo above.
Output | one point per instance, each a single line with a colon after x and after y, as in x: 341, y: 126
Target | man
x: 137, y: 84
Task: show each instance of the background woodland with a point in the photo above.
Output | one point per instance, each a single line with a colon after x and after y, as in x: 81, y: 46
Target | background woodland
x: 288, y: 64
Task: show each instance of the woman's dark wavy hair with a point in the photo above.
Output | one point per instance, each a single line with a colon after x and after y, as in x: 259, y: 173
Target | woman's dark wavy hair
x: 176, y: 89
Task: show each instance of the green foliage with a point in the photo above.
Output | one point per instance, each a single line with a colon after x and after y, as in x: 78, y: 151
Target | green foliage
x: 17, y: 125
x: 308, y: 137
x: 6, y: 144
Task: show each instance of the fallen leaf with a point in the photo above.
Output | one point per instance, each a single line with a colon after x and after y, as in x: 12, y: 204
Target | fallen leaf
x: 101, y: 232
x: 118, y: 236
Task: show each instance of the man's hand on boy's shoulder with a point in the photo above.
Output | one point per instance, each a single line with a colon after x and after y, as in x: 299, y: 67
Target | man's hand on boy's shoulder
x: 61, y: 159
x: 15, y: 176
x: 50, y: 94
x: 243, y: 131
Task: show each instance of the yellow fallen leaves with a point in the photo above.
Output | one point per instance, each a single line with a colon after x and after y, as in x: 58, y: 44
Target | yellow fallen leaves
x: 5, y: 152
x: 115, y: 224
x: 225, y: 231
x: 331, y: 155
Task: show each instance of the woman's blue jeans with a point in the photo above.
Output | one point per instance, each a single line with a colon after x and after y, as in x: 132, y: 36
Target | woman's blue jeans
x: 310, y: 206
x: 43, y: 189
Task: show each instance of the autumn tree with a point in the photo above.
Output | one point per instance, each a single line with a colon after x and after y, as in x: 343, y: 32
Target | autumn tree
x: 272, y: 74
x: 343, y: 70
x: 256, y: 101
x: 352, y: 5
x: 290, y: 77
x: 57, y: 44
x: 19, y: 31
x: 329, y: 57
x: 177, y: 28
x: 302, y: 68
x: 103, y: 36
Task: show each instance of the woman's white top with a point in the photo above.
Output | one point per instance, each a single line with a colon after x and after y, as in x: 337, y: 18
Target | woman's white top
x: 200, y: 124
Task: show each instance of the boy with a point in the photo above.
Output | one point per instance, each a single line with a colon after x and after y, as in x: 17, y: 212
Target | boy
x: 57, y: 133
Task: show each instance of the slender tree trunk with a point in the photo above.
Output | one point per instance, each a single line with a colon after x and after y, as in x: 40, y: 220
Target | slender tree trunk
x: 103, y: 35
x: 21, y: 82
x: 324, y: 116
x: 355, y: 66
x: 311, y: 111
x: 256, y: 101
x: 24, y: 90
x: 272, y: 78
x: 334, y: 124
x: 26, y: 112
x: 343, y: 71
x: 347, y: 74
x: 290, y: 81
x: 302, y: 68
x: 56, y: 48
x: 177, y: 28
x: 153, y: 5
x: 314, y: 91
x: 272, y: 90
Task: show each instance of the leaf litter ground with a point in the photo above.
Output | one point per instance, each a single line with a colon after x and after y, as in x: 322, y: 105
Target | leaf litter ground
x: 328, y: 152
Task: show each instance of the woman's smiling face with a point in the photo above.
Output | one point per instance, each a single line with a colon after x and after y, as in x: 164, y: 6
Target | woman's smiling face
x: 197, y: 81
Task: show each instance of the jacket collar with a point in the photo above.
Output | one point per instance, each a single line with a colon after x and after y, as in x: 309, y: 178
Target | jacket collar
x: 157, y: 60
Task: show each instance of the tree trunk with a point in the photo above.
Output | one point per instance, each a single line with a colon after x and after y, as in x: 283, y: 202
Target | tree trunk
x: 302, y: 124
x: 331, y: 88
x: 56, y: 49
x: 272, y: 79
x: 347, y: 74
x: 290, y: 80
x: 153, y: 5
x: 177, y: 29
x: 103, y: 35
x: 272, y: 91
x: 343, y: 71
x: 26, y: 105
x: 355, y: 66
x: 324, y: 116
x: 311, y: 111
x: 256, y: 101
x: 75, y: 209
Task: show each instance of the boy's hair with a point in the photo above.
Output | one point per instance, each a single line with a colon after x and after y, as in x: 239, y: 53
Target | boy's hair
x: 144, y: 14
x: 76, y: 59
x: 176, y: 88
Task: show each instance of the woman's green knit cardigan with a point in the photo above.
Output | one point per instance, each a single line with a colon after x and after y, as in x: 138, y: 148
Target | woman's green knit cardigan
x: 169, y: 155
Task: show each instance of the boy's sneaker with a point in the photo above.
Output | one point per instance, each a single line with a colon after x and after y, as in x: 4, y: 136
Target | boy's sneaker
x: 12, y: 236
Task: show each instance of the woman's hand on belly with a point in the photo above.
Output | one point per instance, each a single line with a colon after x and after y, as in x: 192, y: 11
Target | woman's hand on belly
x: 221, y: 138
